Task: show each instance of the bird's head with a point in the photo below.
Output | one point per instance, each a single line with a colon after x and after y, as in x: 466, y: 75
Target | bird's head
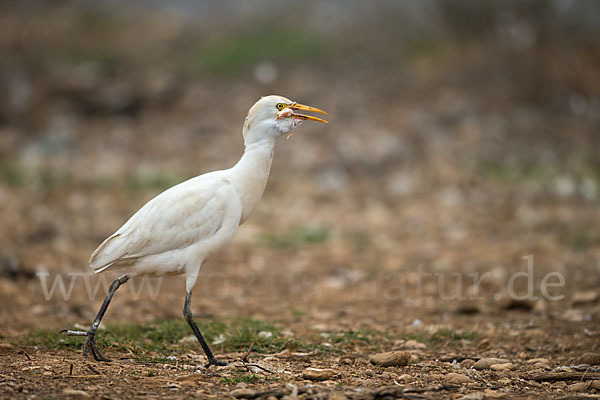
x: 275, y: 116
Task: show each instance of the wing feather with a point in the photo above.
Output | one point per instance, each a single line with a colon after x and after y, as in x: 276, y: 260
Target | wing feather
x: 175, y: 219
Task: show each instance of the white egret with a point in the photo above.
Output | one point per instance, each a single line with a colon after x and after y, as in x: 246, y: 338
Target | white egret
x: 175, y: 232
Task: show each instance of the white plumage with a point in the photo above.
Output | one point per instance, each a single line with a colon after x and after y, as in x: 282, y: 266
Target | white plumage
x: 179, y: 229
x: 176, y: 231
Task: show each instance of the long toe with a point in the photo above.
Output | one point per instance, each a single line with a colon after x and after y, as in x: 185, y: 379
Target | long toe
x: 215, y: 362
x: 97, y: 355
x: 91, y: 343
x: 74, y: 333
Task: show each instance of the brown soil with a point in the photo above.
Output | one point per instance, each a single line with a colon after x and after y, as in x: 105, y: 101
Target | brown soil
x: 405, y: 217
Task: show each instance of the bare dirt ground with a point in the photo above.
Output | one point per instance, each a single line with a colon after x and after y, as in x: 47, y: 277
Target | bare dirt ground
x: 452, y: 163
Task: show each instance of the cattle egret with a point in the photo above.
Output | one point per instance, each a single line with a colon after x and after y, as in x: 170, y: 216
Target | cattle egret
x: 175, y: 232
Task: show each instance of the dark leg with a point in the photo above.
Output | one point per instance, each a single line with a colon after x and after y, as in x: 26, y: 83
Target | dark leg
x: 187, y: 314
x: 90, y: 341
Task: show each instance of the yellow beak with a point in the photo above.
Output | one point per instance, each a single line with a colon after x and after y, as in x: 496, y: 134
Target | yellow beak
x: 296, y: 106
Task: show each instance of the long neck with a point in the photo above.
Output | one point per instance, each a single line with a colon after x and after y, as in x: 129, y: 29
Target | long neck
x: 250, y: 174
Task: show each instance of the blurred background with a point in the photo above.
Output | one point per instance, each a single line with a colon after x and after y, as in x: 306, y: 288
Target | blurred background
x: 463, y: 136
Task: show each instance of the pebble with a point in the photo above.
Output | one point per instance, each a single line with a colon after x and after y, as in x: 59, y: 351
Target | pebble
x: 486, y: 363
x: 538, y: 360
x: 578, y: 387
x: 346, y: 361
x: 414, y: 345
x: 74, y: 392
x: 317, y: 374
x: 453, y: 377
x: 595, y: 385
x: 586, y: 297
x: 390, y: 359
x: 337, y: 396
x: 540, y: 365
x: 388, y: 375
x: 505, y: 381
x: 243, y: 393
x: 473, y: 396
x: 503, y: 367
x: 467, y: 363
x: 492, y: 394
x: 589, y: 358
x: 369, y: 372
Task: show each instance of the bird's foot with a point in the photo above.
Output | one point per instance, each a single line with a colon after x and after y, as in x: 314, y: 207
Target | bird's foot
x: 215, y: 362
x: 90, y: 343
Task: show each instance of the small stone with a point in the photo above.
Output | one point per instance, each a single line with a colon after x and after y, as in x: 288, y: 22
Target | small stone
x: 317, y: 374
x: 505, y: 381
x: 188, y: 339
x: 492, y: 394
x: 589, y: 358
x: 486, y: 363
x: 405, y: 378
x: 585, y: 297
x: 538, y: 360
x: 414, y: 345
x: 503, y: 367
x: 578, y: 387
x: 388, y: 375
x: 390, y: 359
x: 241, y: 385
x: 369, y: 372
x: 595, y: 385
x: 453, y: 377
x: 337, y: 396
x: 467, y: 363
x: 473, y: 396
x: 346, y: 361
x: 540, y: 365
x: 6, y: 346
x: 243, y: 393
x: 74, y: 392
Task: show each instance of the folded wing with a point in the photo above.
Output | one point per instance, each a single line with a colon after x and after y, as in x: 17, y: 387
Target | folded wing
x: 175, y: 219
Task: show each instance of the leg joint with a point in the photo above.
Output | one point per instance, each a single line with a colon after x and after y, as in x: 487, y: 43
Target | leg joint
x: 187, y: 313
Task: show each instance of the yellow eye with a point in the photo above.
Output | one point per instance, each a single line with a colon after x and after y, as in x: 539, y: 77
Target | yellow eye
x: 280, y: 106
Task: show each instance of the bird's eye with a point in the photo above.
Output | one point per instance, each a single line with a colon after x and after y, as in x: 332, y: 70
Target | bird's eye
x: 280, y: 106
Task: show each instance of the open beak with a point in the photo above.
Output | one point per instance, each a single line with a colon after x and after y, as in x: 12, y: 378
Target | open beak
x: 296, y: 106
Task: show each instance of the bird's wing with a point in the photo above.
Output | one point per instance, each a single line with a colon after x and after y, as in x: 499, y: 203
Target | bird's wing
x: 175, y: 219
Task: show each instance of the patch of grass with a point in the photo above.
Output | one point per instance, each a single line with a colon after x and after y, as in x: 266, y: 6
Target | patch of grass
x: 11, y: 174
x: 441, y: 336
x: 144, y: 340
x: 423, y: 47
x: 507, y: 173
x: 153, y: 342
x: 582, y: 238
x: 445, y: 334
x: 150, y: 342
x: 359, y: 240
x: 296, y: 237
x: 246, y: 49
